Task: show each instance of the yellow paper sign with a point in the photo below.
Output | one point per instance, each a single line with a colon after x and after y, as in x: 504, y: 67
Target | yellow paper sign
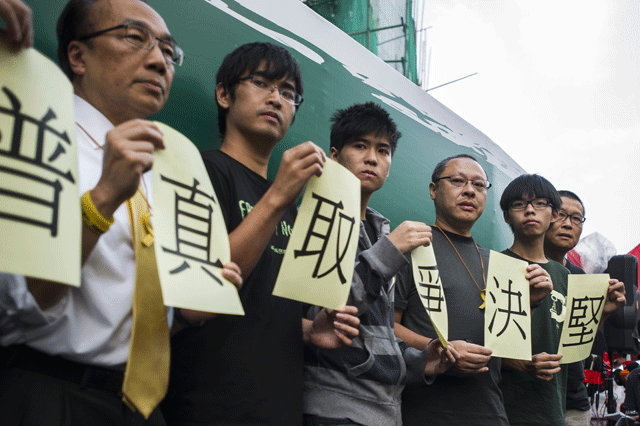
x: 191, y: 240
x: 429, y: 286
x: 586, y: 296
x: 40, y: 224
x: 317, y: 267
x: 507, y: 316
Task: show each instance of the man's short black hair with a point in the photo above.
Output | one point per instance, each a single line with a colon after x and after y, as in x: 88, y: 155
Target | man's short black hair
x: 359, y: 120
x: 437, y: 171
x: 73, y: 23
x: 573, y: 196
x: 531, y: 186
x: 247, y: 58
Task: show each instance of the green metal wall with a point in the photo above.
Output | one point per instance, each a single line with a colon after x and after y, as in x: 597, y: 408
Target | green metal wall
x: 337, y: 72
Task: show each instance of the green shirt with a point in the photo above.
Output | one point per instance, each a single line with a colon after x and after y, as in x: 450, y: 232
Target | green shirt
x: 531, y: 401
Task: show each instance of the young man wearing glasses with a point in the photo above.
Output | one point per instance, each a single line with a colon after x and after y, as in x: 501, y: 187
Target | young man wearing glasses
x: 535, y: 391
x: 468, y: 393
x: 248, y: 370
x: 68, y: 354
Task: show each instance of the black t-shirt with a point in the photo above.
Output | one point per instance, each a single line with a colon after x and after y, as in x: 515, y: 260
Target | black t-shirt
x: 234, y: 369
x: 454, y: 398
x: 527, y: 400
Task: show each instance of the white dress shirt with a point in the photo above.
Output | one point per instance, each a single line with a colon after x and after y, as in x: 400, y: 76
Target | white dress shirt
x: 91, y: 324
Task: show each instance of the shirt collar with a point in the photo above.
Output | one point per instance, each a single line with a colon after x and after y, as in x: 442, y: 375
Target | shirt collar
x: 91, y: 120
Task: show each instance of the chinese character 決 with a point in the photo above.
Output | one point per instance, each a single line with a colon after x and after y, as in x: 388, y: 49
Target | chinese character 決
x: 509, y: 310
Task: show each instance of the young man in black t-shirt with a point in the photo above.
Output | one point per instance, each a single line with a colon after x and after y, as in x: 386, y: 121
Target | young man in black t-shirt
x: 535, y: 391
x: 248, y: 370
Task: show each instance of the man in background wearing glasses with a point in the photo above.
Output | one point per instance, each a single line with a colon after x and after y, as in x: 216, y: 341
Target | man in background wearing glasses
x: 248, y: 370
x: 468, y: 393
x: 68, y: 353
x: 535, y: 391
x: 562, y: 236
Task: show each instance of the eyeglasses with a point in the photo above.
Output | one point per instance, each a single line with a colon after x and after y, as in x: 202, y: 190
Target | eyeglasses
x: 460, y: 181
x: 287, y: 95
x: 538, y: 204
x: 576, y: 219
x: 144, y: 39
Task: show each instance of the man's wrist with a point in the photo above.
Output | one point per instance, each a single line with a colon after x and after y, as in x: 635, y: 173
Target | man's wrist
x: 92, y: 217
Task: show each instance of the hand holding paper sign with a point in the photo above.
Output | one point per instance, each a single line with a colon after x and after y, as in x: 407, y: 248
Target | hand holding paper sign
x: 439, y: 359
x: 410, y: 235
x: 19, y: 28
x: 248, y: 240
x: 540, y: 284
x: 231, y: 272
x: 297, y: 166
x: 428, y: 285
x: 587, y: 295
x: 507, y: 322
x: 191, y: 242
x: 542, y: 366
x: 615, y: 297
x: 128, y: 154
x: 472, y: 358
x: 331, y: 329
x: 39, y: 207
x: 318, y: 265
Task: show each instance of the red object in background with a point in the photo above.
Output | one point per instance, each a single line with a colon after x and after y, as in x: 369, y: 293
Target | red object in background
x: 574, y: 257
x: 636, y: 252
x: 593, y: 377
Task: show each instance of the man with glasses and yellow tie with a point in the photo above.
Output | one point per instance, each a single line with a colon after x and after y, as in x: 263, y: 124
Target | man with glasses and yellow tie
x: 535, y: 391
x: 99, y: 354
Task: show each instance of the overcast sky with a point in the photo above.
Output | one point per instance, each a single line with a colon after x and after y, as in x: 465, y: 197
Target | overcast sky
x: 558, y: 87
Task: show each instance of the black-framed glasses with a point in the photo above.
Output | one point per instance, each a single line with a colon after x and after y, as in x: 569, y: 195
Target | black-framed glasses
x: 143, y: 38
x: 265, y: 85
x: 460, y: 181
x: 536, y: 203
x: 576, y: 219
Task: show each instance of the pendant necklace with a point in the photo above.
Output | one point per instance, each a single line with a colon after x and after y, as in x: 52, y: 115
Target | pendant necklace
x: 484, y: 280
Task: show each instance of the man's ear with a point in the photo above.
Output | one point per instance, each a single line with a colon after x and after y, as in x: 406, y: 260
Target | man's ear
x: 554, y: 215
x: 223, y: 96
x: 506, y: 216
x: 333, y: 153
x: 432, y: 190
x: 76, y: 52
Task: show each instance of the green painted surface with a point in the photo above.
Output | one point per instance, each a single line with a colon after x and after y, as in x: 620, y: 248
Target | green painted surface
x: 337, y: 72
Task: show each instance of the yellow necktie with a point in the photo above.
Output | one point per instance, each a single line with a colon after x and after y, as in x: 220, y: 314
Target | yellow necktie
x: 147, y: 375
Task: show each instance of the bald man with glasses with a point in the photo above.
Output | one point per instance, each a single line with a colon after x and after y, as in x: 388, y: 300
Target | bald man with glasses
x: 99, y: 354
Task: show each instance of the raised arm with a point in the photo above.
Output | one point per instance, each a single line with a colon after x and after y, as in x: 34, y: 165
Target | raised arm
x: 377, y: 265
x: 128, y: 154
x: 19, y: 28
x: 248, y: 240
